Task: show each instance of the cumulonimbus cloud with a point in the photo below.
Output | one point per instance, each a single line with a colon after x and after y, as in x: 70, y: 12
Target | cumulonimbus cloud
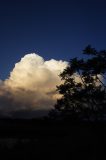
x: 31, y: 85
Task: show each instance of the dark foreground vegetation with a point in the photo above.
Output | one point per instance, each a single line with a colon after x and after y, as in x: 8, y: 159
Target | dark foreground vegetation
x: 47, y: 139
x: 84, y: 87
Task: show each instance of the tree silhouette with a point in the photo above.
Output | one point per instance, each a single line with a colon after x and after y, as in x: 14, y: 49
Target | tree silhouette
x: 83, y: 89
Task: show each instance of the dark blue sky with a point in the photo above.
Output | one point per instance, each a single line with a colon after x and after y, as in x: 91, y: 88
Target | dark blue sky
x: 53, y: 29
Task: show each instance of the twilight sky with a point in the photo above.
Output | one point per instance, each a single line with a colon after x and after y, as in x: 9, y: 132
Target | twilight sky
x: 37, y: 38
x: 57, y: 29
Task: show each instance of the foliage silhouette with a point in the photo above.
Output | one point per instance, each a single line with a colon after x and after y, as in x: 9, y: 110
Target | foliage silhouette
x: 83, y: 89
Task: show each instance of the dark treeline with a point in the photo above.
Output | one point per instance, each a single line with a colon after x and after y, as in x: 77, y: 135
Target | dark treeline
x: 52, y: 139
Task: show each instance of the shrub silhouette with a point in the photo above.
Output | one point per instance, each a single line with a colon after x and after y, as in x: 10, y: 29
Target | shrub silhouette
x: 83, y: 89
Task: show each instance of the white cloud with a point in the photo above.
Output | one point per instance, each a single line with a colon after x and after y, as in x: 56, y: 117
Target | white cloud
x: 32, y: 84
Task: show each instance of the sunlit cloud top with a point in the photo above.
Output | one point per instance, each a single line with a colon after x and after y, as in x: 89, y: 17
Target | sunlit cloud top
x: 31, y: 84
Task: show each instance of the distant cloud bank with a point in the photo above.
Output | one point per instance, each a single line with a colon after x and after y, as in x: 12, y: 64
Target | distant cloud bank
x: 31, y: 86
